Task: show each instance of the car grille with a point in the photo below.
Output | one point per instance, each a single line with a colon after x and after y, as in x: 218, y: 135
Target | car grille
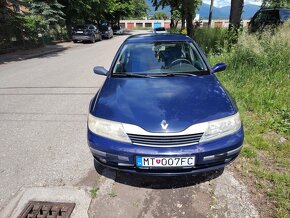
x: 165, y: 141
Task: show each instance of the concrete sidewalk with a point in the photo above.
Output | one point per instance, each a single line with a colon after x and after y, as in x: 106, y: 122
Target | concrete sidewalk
x: 36, y: 52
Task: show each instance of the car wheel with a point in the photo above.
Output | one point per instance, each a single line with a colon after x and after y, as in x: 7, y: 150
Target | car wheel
x: 75, y: 41
x: 93, y: 39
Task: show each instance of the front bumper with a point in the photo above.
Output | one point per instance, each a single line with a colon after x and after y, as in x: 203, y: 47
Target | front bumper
x: 209, y: 156
x: 105, y: 35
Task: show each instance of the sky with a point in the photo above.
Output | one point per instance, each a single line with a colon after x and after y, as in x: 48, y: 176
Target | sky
x: 222, y: 3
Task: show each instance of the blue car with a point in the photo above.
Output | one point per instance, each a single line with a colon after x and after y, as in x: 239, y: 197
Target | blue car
x: 162, y: 111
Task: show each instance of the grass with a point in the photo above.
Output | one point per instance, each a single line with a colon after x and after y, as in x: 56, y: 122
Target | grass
x: 213, y: 42
x: 94, y: 192
x: 112, y: 194
x: 258, y: 77
x: 142, y: 28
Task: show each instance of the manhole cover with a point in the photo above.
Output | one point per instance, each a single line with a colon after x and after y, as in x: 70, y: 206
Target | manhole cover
x: 39, y: 209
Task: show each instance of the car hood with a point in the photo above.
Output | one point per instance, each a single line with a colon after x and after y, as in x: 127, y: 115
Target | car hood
x: 180, y: 101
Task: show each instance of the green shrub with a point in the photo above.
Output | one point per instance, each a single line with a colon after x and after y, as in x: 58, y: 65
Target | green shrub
x: 258, y: 77
x: 211, y: 40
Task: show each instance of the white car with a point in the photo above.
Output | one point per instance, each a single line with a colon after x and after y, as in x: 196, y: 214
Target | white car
x: 159, y: 30
x: 117, y: 30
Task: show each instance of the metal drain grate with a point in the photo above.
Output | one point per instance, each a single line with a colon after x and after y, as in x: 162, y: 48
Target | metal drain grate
x: 40, y: 209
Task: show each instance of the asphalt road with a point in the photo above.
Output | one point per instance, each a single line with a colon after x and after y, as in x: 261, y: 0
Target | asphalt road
x: 43, y: 108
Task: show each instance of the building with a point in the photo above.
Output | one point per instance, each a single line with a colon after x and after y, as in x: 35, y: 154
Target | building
x: 139, y: 24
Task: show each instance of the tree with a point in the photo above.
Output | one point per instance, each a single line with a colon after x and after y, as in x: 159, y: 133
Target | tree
x: 49, y: 10
x: 176, y: 16
x: 174, y: 5
x: 188, y: 6
x: 11, y: 23
x: 140, y: 8
x: 235, y: 14
x: 159, y: 15
x: 187, y: 9
x: 210, y: 13
x: 76, y: 11
x: 275, y: 3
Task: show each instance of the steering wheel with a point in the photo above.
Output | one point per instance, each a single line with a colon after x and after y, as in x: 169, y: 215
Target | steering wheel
x: 177, y: 61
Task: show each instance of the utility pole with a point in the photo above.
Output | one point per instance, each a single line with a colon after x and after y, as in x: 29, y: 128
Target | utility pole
x: 210, y: 13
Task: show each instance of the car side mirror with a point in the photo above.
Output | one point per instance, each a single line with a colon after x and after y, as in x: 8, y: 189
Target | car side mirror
x: 219, y: 67
x: 100, y: 70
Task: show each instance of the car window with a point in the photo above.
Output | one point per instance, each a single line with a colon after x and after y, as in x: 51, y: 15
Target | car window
x: 284, y: 14
x: 103, y: 28
x: 160, y: 29
x: 159, y: 57
x: 91, y: 27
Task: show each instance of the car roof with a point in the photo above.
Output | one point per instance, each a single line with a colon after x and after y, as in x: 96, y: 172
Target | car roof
x: 275, y: 9
x: 157, y: 37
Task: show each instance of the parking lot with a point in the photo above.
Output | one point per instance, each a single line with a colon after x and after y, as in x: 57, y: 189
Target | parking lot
x: 43, y: 111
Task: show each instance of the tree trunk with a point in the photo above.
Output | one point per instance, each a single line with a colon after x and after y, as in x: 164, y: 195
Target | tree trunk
x: 68, y: 24
x: 182, y: 18
x: 210, y: 13
x: 171, y: 19
x: 189, y: 25
x: 188, y: 6
x: 176, y: 24
x: 236, y: 13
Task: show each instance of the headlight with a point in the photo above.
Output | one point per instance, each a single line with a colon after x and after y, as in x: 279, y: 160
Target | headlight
x: 222, y: 127
x: 106, y: 128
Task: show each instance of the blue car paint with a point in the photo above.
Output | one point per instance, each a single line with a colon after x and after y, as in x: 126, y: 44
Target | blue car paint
x: 182, y: 101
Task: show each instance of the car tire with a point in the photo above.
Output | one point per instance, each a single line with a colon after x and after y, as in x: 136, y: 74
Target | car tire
x: 75, y: 41
x: 93, y: 39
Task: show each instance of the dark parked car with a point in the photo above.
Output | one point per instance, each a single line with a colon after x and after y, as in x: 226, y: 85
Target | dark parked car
x: 86, y: 33
x: 268, y: 18
x: 117, y: 30
x: 106, y: 31
x: 162, y: 111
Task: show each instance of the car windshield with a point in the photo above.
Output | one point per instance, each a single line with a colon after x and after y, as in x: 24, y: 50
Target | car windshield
x: 103, y: 28
x: 161, y: 58
x: 285, y: 14
x: 160, y: 29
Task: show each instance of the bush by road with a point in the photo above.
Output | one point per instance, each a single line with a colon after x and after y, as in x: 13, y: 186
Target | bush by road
x: 259, y: 79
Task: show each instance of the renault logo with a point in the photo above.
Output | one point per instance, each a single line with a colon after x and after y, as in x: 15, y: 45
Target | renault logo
x: 164, y: 124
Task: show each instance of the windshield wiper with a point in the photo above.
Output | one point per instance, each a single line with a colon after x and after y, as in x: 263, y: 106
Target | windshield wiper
x: 171, y: 74
x: 130, y: 75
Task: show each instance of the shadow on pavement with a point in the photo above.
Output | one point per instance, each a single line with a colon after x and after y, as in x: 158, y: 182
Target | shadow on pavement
x: 165, y: 182
x: 42, y: 52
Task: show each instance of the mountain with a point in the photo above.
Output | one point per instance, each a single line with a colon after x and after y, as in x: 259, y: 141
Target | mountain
x: 218, y: 13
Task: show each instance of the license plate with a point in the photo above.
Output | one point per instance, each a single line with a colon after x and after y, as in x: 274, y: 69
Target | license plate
x: 157, y: 162
x: 80, y: 31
